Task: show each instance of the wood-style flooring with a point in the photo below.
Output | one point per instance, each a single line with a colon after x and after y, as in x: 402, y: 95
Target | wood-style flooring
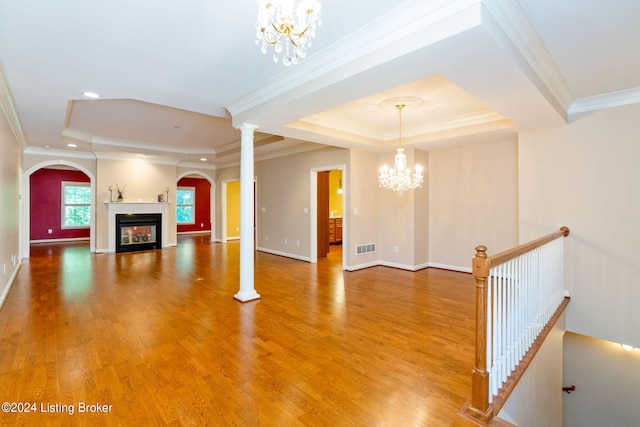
x: 156, y: 338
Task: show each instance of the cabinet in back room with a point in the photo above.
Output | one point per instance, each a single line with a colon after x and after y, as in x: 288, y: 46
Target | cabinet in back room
x: 335, y: 230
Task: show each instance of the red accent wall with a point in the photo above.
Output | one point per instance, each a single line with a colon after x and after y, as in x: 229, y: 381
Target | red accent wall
x: 46, y: 204
x: 203, y: 205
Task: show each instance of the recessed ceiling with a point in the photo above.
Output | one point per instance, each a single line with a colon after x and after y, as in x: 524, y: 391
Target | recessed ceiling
x: 445, y: 111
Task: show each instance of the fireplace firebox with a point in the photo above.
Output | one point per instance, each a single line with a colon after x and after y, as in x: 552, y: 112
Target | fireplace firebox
x: 138, y: 232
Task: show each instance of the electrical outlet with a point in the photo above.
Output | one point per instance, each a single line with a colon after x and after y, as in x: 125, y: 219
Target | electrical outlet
x: 50, y: 231
x: 396, y: 249
x: 286, y: 241
x: 201, y: 224
x: 297, y: 242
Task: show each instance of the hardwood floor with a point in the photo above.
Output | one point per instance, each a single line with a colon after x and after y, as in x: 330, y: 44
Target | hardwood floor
x: 157, y: 339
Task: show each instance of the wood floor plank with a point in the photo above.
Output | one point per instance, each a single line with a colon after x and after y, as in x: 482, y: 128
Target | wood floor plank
x: 158, y: 336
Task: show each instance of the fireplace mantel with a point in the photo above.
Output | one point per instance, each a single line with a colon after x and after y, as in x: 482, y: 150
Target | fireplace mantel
x: 115, y: 208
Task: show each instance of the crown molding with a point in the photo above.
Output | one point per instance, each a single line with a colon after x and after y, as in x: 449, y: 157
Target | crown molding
x: 145, y: 146
x: 57, y: 153
x: 510, y: 26
x: 8, y: 109
x: 605, y: 100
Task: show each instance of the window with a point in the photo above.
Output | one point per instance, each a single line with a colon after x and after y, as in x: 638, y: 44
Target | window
x: 76, y: 204
x: 186, y: 205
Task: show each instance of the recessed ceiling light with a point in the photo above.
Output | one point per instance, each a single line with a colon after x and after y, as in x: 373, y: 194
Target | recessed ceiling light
x: 90, y: 94
x: 204, y: 159
x: 72, y: 145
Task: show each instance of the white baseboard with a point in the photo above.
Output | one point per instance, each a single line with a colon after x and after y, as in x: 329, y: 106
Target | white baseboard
x: 284, y: 254
x: 450, y: 267
x: 9, y: 283
x: 71, y: 239
x: 195, y: 232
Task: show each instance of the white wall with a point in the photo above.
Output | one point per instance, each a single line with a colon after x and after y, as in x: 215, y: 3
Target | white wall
x: 585, y: 175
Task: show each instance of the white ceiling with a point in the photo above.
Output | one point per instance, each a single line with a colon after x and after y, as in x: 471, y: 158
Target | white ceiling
x: 175, y: 77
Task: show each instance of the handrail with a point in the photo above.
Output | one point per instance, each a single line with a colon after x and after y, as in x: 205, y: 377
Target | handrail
x: 509, y: 254
x: 479, y: 407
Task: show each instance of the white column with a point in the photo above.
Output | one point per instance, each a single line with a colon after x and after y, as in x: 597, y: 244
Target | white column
x: 247, y: 244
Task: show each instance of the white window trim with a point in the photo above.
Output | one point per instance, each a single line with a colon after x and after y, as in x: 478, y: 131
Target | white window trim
x: 193, y: 219
x: 63, y: 205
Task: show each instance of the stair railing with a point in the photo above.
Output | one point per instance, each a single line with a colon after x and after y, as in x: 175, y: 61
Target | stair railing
x: 518, y: 295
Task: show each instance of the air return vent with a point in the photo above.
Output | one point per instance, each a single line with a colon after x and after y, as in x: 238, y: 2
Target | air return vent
x: 365, y: 249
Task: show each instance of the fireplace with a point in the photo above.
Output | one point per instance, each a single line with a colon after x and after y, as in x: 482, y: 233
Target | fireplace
x: 138, y: 232
x: 136, y: 210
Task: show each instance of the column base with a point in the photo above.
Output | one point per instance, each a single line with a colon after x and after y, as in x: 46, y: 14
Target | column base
x: 246, y: 296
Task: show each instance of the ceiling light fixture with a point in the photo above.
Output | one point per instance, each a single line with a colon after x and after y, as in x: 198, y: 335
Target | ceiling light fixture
x: 627, y: 347
x: 72, y: 145
x: 400, y: 178
x: 288, y: 25
x: 91, y: 94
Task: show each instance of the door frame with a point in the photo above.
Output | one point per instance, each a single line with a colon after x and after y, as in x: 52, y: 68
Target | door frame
x: 313, y: 212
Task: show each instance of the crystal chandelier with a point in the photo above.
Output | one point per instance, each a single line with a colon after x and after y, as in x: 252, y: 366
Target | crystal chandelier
x: 287, y: 25
x: 400, y: 178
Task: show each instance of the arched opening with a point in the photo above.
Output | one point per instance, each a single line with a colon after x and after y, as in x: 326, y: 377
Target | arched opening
x: 54, y: 204
x: 198, y: 217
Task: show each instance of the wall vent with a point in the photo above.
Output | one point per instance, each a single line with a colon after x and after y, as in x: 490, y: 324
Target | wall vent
x: 365, y: 249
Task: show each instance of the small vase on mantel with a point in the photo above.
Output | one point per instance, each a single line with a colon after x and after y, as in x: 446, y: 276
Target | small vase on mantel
x: 120, y: 199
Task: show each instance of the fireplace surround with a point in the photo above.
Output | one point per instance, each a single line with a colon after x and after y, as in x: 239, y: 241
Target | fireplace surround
x: 143, y: 210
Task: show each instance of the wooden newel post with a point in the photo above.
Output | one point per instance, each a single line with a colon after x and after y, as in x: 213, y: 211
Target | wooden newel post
x: 479, y: 407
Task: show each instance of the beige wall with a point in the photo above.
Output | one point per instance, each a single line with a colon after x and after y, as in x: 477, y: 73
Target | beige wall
x: 473, y: 200
x: 585, y: 175
x: 10, y: 170
x: 143, y: 180
x: 283, y: 194
x: 362, y: 208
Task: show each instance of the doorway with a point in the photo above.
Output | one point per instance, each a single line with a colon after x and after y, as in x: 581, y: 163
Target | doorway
x: 328, y: 223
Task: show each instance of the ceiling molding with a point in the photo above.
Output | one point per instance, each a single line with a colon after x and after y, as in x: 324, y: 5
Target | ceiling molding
x: 128, y: 157
x: 145, y: 146
x: 195, y: 165
x: 8, y: 108
x: 605, y: 100
x: 511, y: 27
x: 55, y: 152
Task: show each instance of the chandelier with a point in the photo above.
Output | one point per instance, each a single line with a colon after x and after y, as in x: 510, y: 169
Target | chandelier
x: 400, y: 178
x: 288, y: 27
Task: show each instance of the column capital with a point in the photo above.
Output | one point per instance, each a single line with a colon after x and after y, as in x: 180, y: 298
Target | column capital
x: 247, y: 127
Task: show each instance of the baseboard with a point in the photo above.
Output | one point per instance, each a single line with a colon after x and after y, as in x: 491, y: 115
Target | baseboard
x: 9, y: 283
x: 284, y: 254
x: 449, y: 267
x: 194, y: 232
x: 71, y: 239
x: 361, y: 266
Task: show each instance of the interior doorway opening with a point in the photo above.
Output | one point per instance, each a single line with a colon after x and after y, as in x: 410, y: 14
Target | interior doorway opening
x: 328, y: 221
